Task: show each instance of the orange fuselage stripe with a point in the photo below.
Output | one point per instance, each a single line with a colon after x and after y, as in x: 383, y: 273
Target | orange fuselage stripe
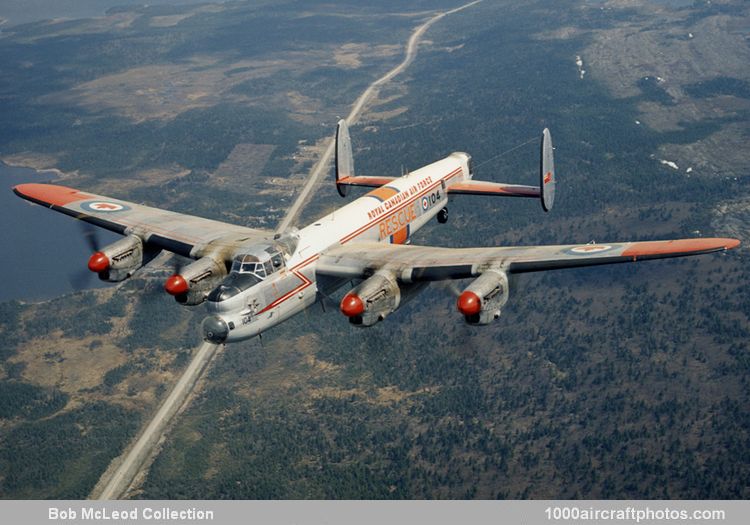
x: 305, y: 282
x: 409, y: 202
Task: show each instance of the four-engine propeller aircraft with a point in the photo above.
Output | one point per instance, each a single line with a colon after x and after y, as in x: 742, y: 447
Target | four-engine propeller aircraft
x: 252, y: 280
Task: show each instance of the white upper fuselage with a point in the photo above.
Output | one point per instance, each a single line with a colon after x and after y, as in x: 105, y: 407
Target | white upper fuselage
x: 385, y: 211
x: 391, y: 213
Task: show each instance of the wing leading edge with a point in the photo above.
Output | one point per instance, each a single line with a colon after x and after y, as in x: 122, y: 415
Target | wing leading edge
x: 426, y: 263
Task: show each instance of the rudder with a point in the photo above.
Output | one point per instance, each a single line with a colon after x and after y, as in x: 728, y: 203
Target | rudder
x: 547, y: 172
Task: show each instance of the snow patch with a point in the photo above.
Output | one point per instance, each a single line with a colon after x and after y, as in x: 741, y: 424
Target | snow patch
x: 670, y: 164
x: 690, y: 35
x: 638, y: 122
x: 579, y: 64
x: 689, y: 170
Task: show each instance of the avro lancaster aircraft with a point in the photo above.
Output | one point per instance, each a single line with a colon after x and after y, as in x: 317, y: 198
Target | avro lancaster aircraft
x: 252, y: 280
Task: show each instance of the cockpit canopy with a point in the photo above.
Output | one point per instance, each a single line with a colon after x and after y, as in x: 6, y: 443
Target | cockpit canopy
x: 248, y: 269
x: 260, y: 264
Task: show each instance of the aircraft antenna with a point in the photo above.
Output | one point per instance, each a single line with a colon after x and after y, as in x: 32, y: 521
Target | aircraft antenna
x: 514, y: 148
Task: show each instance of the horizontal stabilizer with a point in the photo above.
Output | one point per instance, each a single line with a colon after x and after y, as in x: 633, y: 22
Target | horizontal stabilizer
x: 345, y: 164
x: 365, y: 182
x: 478, y: 187
x: 545, y: 192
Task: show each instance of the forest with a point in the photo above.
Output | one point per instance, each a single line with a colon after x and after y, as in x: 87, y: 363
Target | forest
x: 629, y: 381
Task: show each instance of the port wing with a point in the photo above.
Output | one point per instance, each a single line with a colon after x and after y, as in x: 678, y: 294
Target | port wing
x: 428, y: 263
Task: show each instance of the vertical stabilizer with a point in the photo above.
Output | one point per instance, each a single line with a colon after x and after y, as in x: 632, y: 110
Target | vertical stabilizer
x: 344, y: 157
x: 547, y: 172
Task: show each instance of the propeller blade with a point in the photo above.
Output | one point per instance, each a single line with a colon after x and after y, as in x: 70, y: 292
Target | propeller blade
x: 176, y: 263
x: 90, y: 235
x: 451, y: 286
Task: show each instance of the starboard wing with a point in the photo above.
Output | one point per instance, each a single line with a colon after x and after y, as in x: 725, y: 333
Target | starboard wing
x: 179, y: 233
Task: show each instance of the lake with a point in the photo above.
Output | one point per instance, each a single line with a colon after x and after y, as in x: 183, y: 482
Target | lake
x: 42, y: 249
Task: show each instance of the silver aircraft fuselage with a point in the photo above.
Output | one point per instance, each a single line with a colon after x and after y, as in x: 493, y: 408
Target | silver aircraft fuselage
x: 389, y: 214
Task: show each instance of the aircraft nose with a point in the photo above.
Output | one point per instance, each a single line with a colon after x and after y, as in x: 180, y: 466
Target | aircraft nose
x: 215, y: 330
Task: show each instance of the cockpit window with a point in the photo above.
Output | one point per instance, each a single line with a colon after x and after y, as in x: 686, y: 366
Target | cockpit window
x: 252, y: 264
x: 248, y: 269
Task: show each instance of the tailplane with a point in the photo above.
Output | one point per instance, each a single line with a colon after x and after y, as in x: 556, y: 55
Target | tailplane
x: 545, y: 192
x: 345, y: 164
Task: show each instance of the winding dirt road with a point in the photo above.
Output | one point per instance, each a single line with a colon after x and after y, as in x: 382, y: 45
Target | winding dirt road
x: 321, y: 167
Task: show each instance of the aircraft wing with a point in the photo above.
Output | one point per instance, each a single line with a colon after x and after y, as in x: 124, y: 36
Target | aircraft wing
x: 176, y: 232
x: 427, y: 263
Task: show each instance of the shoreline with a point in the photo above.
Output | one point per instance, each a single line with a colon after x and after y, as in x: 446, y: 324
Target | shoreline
x: 46, y: 247
x: 37, y: 164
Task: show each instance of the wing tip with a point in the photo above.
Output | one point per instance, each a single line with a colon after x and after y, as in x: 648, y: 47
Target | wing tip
x: 49, y: 194
x: 680, y: 246
x: 731, y: 244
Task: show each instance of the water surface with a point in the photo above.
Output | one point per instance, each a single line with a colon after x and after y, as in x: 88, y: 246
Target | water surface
x: 42, y: 250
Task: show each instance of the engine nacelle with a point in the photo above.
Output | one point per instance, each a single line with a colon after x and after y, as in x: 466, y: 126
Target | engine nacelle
x: 373, y: 300
x: 120, y: 260
x: 483, y: 299
x: 195, y: 281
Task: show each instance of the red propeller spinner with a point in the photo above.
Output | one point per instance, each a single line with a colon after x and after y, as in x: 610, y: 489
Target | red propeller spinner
x: 352, y: 305
x: 176, y: 285
x: 469, y: 303
x: 98, y: 262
